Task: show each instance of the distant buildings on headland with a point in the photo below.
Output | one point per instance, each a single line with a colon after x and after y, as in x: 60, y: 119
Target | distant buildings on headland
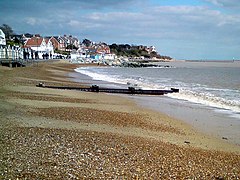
x: 69, y: 47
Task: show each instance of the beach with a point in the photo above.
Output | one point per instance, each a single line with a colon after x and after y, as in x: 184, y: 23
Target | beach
x: 208, y: 97
x: 64, y: 134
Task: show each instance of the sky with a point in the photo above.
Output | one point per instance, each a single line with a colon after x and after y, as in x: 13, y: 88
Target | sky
x: 182, y: 29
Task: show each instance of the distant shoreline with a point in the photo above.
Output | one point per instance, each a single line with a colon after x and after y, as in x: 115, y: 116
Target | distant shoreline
x: 222, y: 61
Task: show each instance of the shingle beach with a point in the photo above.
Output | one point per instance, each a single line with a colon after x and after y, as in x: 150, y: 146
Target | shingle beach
x: 66, y: 134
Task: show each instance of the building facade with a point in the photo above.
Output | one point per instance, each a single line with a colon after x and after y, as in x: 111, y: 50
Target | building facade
x: 42, y: 47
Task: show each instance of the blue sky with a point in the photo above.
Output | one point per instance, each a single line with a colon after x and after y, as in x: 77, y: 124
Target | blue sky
x: 186, y: 29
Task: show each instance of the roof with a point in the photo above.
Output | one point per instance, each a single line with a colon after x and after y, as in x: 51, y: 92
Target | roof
x: 34, y: 41
x: 47, y: 40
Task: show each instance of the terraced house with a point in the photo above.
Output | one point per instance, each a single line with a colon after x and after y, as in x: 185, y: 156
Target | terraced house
x: 64, y: 43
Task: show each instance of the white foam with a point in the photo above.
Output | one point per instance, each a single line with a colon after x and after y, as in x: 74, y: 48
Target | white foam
x: 224, y: 99
x: 208, y: 99
x: 98, y: 76
x: 141, y: 82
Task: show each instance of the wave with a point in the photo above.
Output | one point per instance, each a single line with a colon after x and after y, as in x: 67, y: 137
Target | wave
x: 218, y: 98
x: 98, y: 76
x: 208, y: 99
x: 119, y: 79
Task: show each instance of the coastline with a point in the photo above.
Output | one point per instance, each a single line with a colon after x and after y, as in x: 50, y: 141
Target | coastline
x: 211, y: 119
x: 94, y: 128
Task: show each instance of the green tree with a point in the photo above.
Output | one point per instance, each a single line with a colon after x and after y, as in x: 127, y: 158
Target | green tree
x: 71, y: 46
x: 8, y: 31
x: 87, y: 42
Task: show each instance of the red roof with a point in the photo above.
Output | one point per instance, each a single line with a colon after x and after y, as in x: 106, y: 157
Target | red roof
x: 47, y: 40
x: 34, y: 41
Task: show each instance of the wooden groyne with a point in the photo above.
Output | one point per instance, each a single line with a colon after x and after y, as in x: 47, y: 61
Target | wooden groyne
x: 130, y: 90
x: 13, y: 62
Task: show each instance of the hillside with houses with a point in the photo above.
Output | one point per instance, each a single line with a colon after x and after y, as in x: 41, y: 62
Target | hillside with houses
x: 35, y: 46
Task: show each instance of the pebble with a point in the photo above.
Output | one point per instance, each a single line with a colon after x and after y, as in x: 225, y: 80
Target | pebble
x: 41, y: 153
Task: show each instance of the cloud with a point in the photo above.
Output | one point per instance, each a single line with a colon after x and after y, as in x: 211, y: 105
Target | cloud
x: 30, y: 20
x: 99, y: 4
x: 190, y: 28
x: 172, y: 29
x: 87, y: 4
x: 226, y: 3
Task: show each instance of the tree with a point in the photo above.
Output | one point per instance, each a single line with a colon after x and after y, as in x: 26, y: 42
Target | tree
x: 113, y: 46
x: 87, y: 42
x: 71, y: 46
x: 7, y: 31
x: 16, y: 40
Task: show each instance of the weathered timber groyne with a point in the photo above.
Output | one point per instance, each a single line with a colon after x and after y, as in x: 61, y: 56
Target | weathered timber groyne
x: 130, y: 90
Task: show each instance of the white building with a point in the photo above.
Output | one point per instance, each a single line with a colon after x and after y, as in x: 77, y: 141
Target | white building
x: 109, y: 56
x: 2, y: 38
x: 40, y: 45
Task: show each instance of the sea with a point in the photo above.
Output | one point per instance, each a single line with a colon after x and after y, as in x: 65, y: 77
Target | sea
x: 209, y: 96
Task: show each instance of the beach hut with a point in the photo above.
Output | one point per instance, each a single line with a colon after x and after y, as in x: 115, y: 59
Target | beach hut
x: 2, y: 38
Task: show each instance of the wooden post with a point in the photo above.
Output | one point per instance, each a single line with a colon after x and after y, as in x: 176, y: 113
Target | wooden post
x: 6, y: 56
x: 1, y: 52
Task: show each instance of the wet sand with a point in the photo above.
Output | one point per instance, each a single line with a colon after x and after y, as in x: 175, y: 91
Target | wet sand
x: 62, y: 134
x: 203, y: 119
